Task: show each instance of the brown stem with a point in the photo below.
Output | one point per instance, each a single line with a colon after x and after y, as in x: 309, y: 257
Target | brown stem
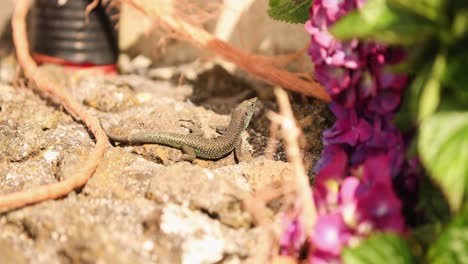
x: 291, y: 135
x: 244, y: 60
x: 60, y: 95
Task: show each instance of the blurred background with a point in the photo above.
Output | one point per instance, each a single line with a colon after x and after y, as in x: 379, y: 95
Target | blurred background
x: 245, y: 24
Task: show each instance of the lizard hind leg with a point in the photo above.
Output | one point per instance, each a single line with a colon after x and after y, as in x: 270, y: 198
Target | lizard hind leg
x: 189, y: 154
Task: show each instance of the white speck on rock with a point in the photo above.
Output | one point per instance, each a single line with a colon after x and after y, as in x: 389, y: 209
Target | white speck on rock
x: 144, y: 97
x: 203, y: 241
x: 209, y: 174
x: 51, y: 156
x: 119, y: 96
x: 9, y: 177
x: 148, y: 245
x: 203, y: 250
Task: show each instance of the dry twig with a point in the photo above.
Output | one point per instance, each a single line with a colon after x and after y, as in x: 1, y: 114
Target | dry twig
x: 63, y: 98
x: 184, y: 30
x: 291, y: 134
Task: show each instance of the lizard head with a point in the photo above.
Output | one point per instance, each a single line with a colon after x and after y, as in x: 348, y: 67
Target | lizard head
x: 245, y: 110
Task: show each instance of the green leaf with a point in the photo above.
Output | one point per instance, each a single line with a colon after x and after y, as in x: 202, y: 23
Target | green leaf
x: 433, y: 203
x: 406, y: 118
x: 460, y: 22
x: 430, y: 9
x: 292, y: 11
x: 430, y: 96
x: 443, y: 147
x: 385, y: 22
x: 455, y: 76
x: 452, y: 244
x: 379, y: 248
x: 422, y: 238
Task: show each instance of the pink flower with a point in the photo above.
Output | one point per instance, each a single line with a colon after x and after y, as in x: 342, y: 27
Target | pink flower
x: 292, y: 239
x: 330, y: 234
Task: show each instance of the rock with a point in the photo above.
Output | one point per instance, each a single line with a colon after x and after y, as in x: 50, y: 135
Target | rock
x: 10, y: 253
x: 142, y: 205
x: 203, y: 190
x: 198, y: 238
x: 121, y: 175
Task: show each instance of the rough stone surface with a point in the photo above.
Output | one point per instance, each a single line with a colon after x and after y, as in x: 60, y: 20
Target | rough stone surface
x: 142, y: 205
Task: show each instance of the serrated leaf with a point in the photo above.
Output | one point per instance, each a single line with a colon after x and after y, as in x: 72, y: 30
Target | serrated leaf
x: 443, y: 147
x: 430, y: 95
x: 379, y: 248
x: 384, y: 22
x: 452, y: 244
x: 292, y: 11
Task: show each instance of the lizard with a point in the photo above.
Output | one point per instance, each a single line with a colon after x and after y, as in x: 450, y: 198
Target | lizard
x: 195, y: 144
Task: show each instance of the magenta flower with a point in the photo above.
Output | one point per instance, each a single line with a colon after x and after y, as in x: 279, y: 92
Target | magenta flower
x: 334, y: 9
x: 330, y: 234
x: 333, y: 164
x: 371, y: 201
x: 334, y: 79
x: 385, y: 102
x: 292, y: 239
x: 364, y: 153
x: 385, y: 139
x: 319, y: 257
x: 348, y: 129
x: 380, y: 207
x: 367, y: 85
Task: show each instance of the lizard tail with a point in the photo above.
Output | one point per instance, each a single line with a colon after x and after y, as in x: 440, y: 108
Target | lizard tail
x: 114, y: 137
x: 117, y: 138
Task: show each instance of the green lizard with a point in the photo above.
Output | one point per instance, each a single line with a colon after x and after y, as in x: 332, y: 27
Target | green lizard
x: 195, y: 144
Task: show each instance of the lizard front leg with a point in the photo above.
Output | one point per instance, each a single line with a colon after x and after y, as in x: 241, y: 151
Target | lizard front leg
x: 238, y: 156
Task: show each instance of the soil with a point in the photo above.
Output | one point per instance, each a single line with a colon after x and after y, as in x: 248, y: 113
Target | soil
x: 142, y: 205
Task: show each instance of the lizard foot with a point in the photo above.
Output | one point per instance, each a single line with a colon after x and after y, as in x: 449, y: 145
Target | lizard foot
x: 194, y: 128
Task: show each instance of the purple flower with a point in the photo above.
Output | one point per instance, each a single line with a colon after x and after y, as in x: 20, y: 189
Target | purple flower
x: 367, y: 85
x: 380, y: 207
x: 363, y: 152
x: 388, y: 79
x: 333, y: 164
x: 371, y: 201
x: 348, y: 129
x: 376, y: 170
x: 334, y: 79
x: 330, y: 234
x: 385, y: 102
x: 385, y: 139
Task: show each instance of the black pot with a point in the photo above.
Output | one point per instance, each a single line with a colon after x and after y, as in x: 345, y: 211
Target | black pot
x: 61, y: 32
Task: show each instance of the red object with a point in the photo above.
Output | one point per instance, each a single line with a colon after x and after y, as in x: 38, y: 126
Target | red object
x: 104, y: 68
